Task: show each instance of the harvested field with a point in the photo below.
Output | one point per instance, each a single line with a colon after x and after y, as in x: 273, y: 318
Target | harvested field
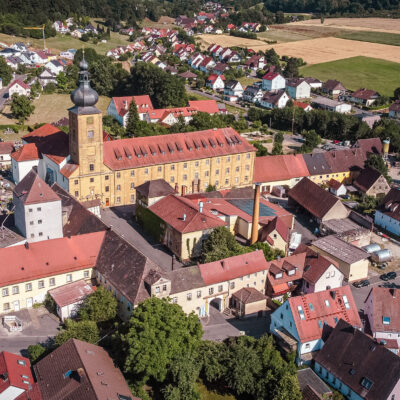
x: 391, y: 25
x: 313, y: 51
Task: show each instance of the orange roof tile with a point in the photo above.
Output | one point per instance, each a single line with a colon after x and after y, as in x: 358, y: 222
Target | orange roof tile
x: 208, y: 106
x: 43, y: 131
x: 28, y: 152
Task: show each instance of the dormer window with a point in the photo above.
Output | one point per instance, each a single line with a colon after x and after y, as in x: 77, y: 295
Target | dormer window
x: 327, y: 303
x: 291, y: 272
x: 346, y: 302
x: 278, y: 275
x: 366, y: 383
x: 386, y: 320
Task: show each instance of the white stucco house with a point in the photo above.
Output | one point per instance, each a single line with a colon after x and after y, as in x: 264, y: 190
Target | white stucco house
x: 274, y: 99
x: 6, y: 149
x: 298, y: 88
x: 387, y: 215
x: 273, y: 81
x: 38, y: 210
x: 20, y: 88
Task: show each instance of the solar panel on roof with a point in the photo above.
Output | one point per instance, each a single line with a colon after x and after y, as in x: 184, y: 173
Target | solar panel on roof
x: 246, y: 205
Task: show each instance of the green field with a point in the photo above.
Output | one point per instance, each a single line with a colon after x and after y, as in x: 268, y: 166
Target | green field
x: 372, y: 37
x: 359, y: 72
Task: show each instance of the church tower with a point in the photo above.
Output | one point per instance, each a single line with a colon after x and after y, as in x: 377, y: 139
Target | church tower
x: 86, y: 139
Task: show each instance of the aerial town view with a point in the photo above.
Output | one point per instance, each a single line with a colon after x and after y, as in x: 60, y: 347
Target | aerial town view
x: 199, y: 200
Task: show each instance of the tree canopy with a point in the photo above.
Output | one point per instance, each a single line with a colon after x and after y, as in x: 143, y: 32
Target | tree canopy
x: 21, y: 107
x: 86, y: 331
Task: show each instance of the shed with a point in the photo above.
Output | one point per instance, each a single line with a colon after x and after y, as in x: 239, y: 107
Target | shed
x: 248, y: 301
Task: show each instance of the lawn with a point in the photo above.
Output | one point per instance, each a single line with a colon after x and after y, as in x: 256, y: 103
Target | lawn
x: 372, y: 37
x: 359, y: 72
x: 247, y: 80
x: 50, y: 108
x: 63, y: 42
x: 209, y: 395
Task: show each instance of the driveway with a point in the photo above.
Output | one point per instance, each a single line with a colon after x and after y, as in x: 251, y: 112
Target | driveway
x: 38, y: 326
x: 122, y: 221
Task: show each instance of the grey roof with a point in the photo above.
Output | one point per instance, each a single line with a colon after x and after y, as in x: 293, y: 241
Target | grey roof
x: 308, y: 377
x: 317, y: 164
x: 251, y: 90
x: 342, y: 225
x: 326, y: 102
x: 340, y: 249
x: 231, y: 84
x: 186, y: 278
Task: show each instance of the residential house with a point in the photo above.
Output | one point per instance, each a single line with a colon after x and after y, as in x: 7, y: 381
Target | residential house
x: 320, y: 272
x: 273, y: 81
x: 81, y: 371
x: 47, y: 77
x: 319, y: 169
x: 305, y: 106
x: 387, y: 215
x: 337, y: 188
x: 54, y: 66
x: 371, y: 182
x: 207, y: 64
x: 69, y: 298
x: 232, y: 57
x: 150, y: 192
x: 298, y: 88
x: 196, y: 59
x: 183, y: 225
x: 331, y: 105
x: 13, y: 62
x: 224, y: 53
x: 77, y: 33
x: 311, y: 386
x: 369, y: 146
x: 68, y: 54
x: 253, y: 94
x: 37, y: 210
x: 9, y: 52
x: 364, y: 97
x: 382, y: 308
x: 394, y: 110
x: 19, y: 46
x: 23, y: 160
x: 276, y: 234
x: 233, y: 91
x: 274, y: 99
x: 20, y: 88
x: 220, y: 68
x: 255, y: 62
x: 216, y: 82
x: 280, y: 170
x: 60, y: 27
x: 26, y: 280
x: 16, y: 380
x: 6, y: 148
x: 333, y: 88
x: 301, y: 323
x: 188, y: 75
x: 313, y: 82
x: 119, y: 108
x: 207, y: 106
x: 352, y: 261
x: 318, y: 202
x: 356, y: 366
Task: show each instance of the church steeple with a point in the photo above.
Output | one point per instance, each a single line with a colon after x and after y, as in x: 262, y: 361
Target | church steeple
x: 84, y: 96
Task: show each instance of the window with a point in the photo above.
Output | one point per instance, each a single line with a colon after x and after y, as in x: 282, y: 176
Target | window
x: 118, y: 174
x: 164, y: 288
x: 246, y: 178
x: 39, y: 209
x: 228, y: 159
x: 386, y: 320
x: 220, y: 288
x: 75, y: 182
x: 159, y: 169
x: 6, y: 306
x: 30, y: 210
x: 118, y: 187
x: 307, y: 346
x: 89, y: 120
x: 196, y: 164
x: 232, y: 285
x: 52, y: 281
x: 86, y: 274
x: 175, y: 300
x: 172, y: 179
x: 132, y: 198
x: 206, y: 173
x: 107, y: 188
x: 146, y: 171
x: 218, y: 160
x: 91, y: 180
x: 236, y: 180
x: 185, y: 165
x: 32, y: 235
x: 311, y: 306
x: 327, y: 303
x: 76, y: 193
x: 196, y: 175
x: 237, y: 169
x: 31, y: 223
x: 157, y: 289
x: 39, y: 221
x: 346, y: 302
x: 21, y: 362
x: 28, y: 287
x: 189, y: 296
x: 90, y: 134
x: 217, y: 172
x: 227, y: 170
x: 5, y: 292
x: 199, y: 293
x: 69, y: 277
x: 248, y: 155
x: 41, y: 284
x: 106, y: 177
x: 132, y: 173
x: 172, y: 167
x: 15, y: 290
x: 226, y: 181
x: 91, y: 167
x: 211, y: 290
x: 185, y: 177
x: 301, y: 312
x: 247, y: 167
x: 366, y: 383
x: 118, y: 200
x: 328, y: 275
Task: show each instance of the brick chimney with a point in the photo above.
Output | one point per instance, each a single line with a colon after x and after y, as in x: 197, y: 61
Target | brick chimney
x: 256, y: 214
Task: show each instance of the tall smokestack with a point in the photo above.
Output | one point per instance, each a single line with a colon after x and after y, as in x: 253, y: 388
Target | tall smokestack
x: 256, y: 214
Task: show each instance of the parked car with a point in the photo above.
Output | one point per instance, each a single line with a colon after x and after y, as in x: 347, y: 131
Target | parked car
x: 389, y: 276
x: 362, y: 283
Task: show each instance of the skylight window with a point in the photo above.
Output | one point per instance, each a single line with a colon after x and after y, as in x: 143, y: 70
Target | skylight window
x: 301, y: 312
x: 346, y: 302
x: 21, y: 362
x: 327, y: 303
x: 386, y: 320
x: 311, y: 307
x: 319, y: 323
x: 366, y: 383
x: 336, y: 320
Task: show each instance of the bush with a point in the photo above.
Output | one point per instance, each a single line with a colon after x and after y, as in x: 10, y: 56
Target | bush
x: 36, y: 352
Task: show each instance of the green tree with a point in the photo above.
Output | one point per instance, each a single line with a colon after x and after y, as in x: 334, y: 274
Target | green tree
x: 397, y: 93
x: 211, y: 188
x: 292, y: 69
x: 100, y: 306
x: 133, y: 122
x: 5, y: 71
x: 312, y: 140
x: 270, y: 253
x: 21, y: 107
x: 158, y: 343
x: 36, y: 352
x: 63, y: 82
x: 86, y: 331
x: 375, y: 161
x: 278, y: 140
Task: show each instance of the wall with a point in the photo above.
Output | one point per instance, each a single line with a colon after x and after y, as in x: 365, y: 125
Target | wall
x: 386, y: 222
x: 69, y: 311
x: 5, y: 159
x: 380, y: 187
x: 336, y: 212
x: 37, y: 295
x: 112, y: 110
x: 20, y: 169
x: 323, y: 178
x: 334, y: 280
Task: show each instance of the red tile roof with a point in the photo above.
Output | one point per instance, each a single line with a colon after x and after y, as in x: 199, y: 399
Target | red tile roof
x: 371, y: 145
x: 334, y: 184
x: 32, y: 190
x: 300, y: 104
x: 7, y: 147
x: 395, y: 106
x: 143, y: 104
x: 326, y: 306
x: 71, y: 293
x: 385, y: 303
x: 49, y: 258
x: 214, y: 77
x: 275, y: 224
x: 20, y: 83
x: 270, y: 76
x: 345, y: 160
x: 151, y: 150
x: 208, y: 106
x: 279, y: 168
x: 68, y: 169
x: 44, y: 131
x: 233, y: 267
x: 28, y: 152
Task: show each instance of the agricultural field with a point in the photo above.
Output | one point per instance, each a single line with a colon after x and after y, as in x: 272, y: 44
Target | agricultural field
x: 50, y: 108
x: 284, y: 35
x: 231, y: 41
x: 64, y: 42
x: 359, y: 72
x: 372, y: 37
x: 163, y: 22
